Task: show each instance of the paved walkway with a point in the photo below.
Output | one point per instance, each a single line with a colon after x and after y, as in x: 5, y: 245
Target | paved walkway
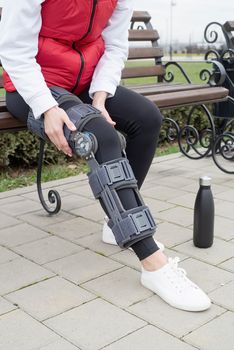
x: 61, y: 288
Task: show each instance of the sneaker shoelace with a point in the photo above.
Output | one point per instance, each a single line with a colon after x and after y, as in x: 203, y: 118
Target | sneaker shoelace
x: 183, y: 281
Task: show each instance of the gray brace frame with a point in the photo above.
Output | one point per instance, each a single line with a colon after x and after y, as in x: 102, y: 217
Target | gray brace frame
x: 128, y: 226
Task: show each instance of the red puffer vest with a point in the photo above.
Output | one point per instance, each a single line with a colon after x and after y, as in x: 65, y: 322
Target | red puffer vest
x: 70, y: 43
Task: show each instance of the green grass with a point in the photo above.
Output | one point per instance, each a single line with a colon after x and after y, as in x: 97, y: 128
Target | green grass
x: 14, y: 178
x: 18, y: 177
x: 192, y: 69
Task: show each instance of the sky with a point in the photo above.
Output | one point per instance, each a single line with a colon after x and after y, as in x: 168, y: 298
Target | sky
x: 189, y: 17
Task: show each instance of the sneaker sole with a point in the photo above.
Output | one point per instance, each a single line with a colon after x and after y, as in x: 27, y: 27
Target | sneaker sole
x: 177, y: 306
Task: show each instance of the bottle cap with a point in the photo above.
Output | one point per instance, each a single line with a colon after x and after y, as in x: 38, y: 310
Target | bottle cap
x: 205, y: 180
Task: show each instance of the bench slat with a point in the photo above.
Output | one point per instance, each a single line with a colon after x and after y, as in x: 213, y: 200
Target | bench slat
x: 145, y: 52
x: 137, y: 72
x: 143, y: 35
x: 7, y: 122
x: 161, y: 88
x: 199, y: 96
x: 141, y: 16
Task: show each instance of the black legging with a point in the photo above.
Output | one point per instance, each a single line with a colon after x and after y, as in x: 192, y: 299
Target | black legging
x: 134, y: 115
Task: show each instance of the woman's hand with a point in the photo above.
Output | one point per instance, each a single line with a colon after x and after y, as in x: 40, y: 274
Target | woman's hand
x: 99, y: 103
x: 54, y: 119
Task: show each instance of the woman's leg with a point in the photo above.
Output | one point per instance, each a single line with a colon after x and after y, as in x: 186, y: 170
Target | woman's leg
x: 140, y: 120
x: 17, y: 106
x: 108, y: 149
x: 160, y: 275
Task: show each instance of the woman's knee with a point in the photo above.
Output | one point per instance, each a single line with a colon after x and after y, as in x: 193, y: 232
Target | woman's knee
x: 107, y: 139
x: 152, y: 117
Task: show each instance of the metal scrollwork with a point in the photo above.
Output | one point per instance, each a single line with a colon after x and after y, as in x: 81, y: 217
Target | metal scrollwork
x: 218, y: 74
x: 223, y: 152
x: 196, y: 142
x: 53, y: 196
x: 211, y: 36
x: 212, y: 53
x: 169, y: 76
x: 205, y: 75
x: 172, y: 130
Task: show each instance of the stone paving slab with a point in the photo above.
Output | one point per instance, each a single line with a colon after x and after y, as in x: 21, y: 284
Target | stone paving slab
x: 6, y: 221
x: 93, y: 212
x: 228, y: 265
x: 83, y: 266
x: 19, y: 208
x: 162, y: 193
x: 20, y: 273
x: 47, y: 249
x: 74, y: 228
x: 174, y: 321
x: 215, y: 335
x: 217, y: 253
x: 6, y: 255
x: 214, y: 277
x: 171, y: 234
x: 224, y: 296
x: 5, y: 306
x: 19, y: 331
x: 49, y: 298
x: 177, y: 215
x: 59, y: 345
x: 94, y: 243
x: 20, y: 234
x: 43, y: 258
x: 41, y: 219
x: 149, y: 338
x: 225, y: 209
x: 126, y: 281
x: 107, y: 324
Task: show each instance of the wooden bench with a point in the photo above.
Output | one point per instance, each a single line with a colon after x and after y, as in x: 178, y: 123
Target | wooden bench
x: 162, y: 92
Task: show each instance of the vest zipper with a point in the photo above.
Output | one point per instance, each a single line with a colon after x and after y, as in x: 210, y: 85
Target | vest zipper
x: 91, y: 19
x: 81, y: 67
x: 74, y: 44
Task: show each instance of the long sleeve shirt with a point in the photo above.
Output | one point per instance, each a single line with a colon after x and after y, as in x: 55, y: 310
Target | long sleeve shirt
x: 20, y: 26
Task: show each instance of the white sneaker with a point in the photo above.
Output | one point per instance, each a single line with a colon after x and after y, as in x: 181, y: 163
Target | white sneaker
x: 109, y: 238
x: 171, y: 284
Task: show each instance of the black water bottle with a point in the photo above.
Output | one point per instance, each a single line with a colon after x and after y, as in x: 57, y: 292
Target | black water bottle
x: 203, y: 224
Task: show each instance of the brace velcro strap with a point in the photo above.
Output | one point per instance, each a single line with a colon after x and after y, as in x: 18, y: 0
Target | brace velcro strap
x: 136, y: 224
x: 115, y: 174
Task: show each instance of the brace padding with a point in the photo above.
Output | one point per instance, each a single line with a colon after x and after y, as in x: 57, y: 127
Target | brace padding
x: 137, y: 222
x: 128, y: 226
x: 116, y: 174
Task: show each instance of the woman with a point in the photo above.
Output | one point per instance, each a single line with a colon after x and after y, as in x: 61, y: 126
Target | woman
x: 81, y: 45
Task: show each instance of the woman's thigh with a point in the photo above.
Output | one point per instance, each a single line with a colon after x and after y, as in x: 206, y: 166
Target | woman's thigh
x: 17, y: 106
x: 131, y: 111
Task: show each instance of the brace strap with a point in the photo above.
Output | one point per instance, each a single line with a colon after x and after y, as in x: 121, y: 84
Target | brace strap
x: 136, y: 221
x: 115, y: 174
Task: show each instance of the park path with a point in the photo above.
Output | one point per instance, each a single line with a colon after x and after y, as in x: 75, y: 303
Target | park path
x: 61, y: 288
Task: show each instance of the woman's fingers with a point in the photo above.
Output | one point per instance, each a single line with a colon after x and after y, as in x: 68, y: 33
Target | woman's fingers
x: 104, y: 112
x: 54, y: 122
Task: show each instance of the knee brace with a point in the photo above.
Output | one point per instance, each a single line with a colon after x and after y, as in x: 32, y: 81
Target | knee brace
x: 128, y: 226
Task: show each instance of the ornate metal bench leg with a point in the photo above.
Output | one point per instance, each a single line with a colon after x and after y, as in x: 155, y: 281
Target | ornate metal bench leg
x: 53, y: 196
x: 194, y: 143
x: 172, y: 130
x: 223, y: 152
